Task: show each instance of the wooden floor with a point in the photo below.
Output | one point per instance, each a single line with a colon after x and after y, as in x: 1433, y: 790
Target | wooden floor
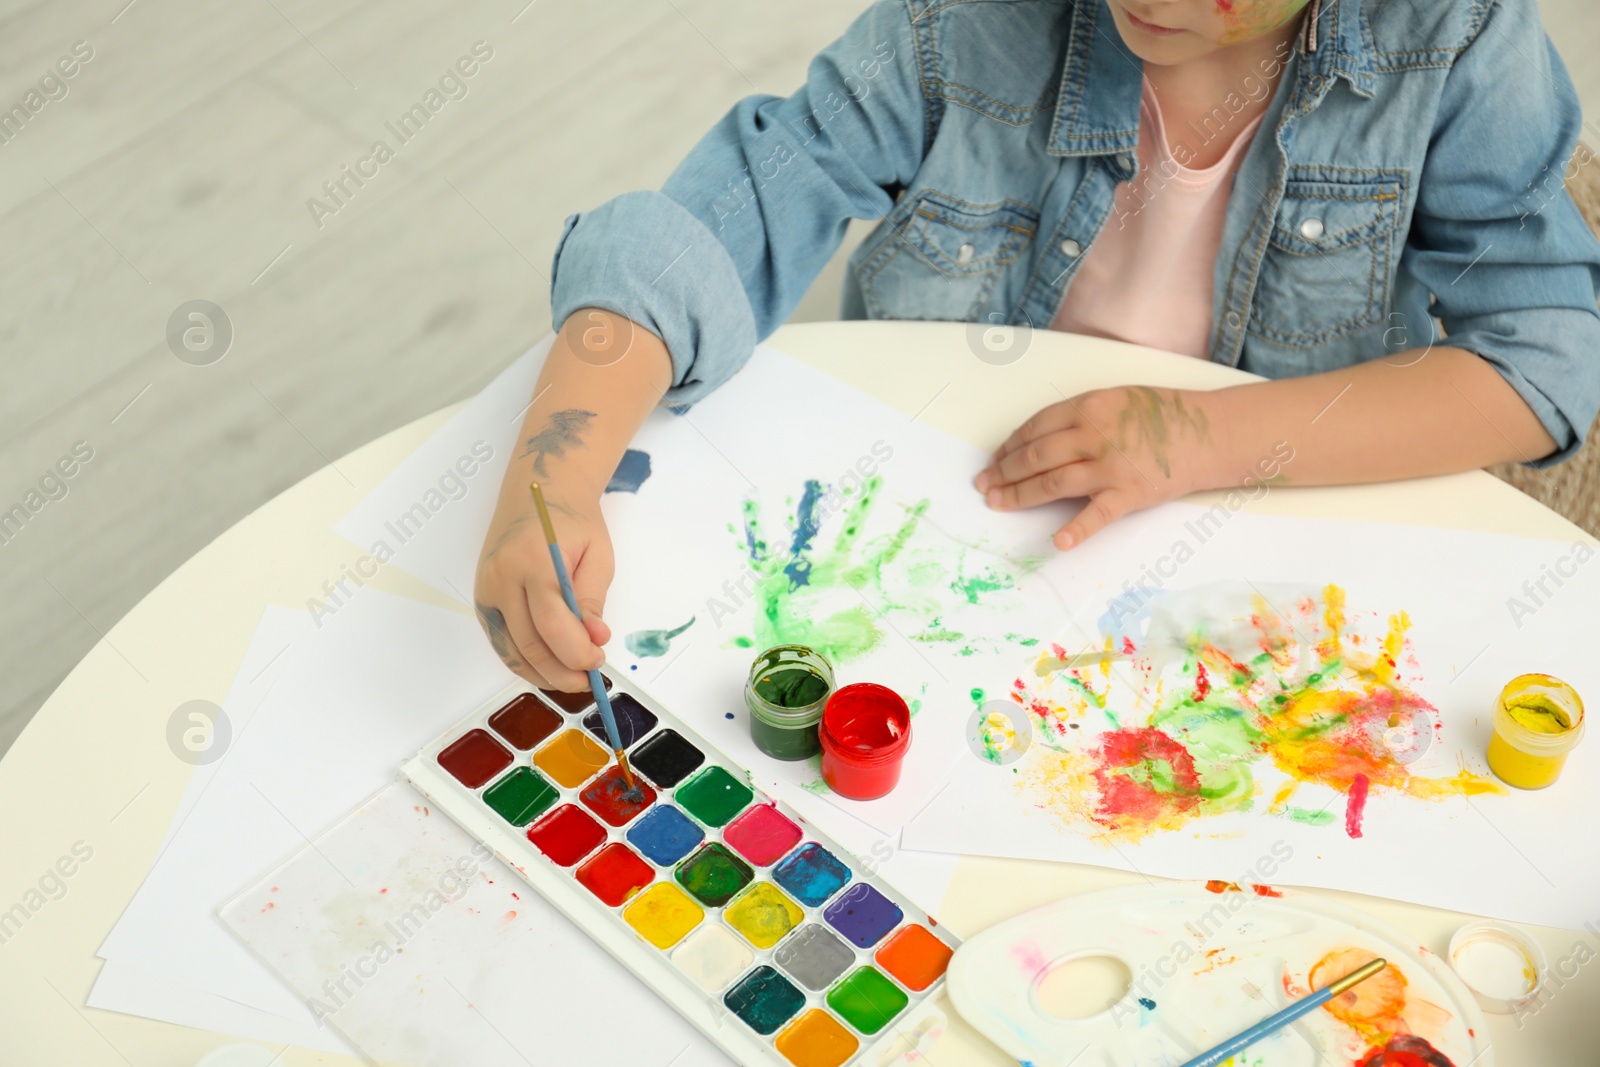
x: 178, y: 166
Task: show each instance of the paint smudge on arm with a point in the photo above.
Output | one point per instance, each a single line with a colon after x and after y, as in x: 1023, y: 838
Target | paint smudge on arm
x: 563, y: 429
x: 494, y: 623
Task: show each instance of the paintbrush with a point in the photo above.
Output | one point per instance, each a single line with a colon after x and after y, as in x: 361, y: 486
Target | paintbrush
x: 597, y: 684
x: 1286, y: 1016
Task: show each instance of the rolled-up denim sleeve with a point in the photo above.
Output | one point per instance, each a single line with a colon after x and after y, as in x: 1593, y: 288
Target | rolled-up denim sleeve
x: 1496, y: 238
x: 717, y: 259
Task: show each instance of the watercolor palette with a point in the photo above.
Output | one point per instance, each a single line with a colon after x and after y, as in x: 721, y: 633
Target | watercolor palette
x: 1205, y: 961
x: 775, y: 941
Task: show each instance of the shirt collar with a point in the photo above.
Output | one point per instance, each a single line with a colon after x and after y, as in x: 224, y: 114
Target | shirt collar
x: 1336, y: 41
x: 1097, y: 103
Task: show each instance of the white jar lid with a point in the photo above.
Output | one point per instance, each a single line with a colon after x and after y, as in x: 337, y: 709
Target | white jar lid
x: 1504, y: 967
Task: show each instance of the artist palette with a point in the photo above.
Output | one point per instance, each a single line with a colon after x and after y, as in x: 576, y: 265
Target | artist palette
x: 779, y: 944
x: 1205, y: 961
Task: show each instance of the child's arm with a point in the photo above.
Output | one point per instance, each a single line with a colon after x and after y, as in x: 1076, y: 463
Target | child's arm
x: 1513, y: 271
x: 601, y: 379
x: 1409, y: 416
x: 700, y: 271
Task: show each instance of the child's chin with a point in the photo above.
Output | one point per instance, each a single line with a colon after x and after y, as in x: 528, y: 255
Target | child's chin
x: 1166, y: 51
x: 1163, y: 51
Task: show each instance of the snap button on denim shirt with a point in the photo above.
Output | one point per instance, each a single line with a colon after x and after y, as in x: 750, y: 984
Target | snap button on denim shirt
x: 1404, y: 190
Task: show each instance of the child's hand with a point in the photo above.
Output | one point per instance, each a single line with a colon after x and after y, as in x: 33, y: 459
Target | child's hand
x: 1125, y: 449
x: 519, y: 599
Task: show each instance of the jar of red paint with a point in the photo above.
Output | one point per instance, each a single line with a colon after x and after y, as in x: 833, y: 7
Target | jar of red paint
x: 865, y: 732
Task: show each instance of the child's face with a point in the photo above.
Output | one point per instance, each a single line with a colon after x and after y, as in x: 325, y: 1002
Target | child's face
x: 1166, y: 32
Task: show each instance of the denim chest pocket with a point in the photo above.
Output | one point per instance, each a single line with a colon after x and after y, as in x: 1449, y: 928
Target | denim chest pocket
x: 1329, y: 260
x: 942, y: 257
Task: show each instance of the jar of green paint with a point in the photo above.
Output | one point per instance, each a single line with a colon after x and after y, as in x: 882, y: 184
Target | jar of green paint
x: 788, y: 687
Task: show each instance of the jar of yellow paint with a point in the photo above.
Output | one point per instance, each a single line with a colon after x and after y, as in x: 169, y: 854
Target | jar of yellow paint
x: 1537, y: 721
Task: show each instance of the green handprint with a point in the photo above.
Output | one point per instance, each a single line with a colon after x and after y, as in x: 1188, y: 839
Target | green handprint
x: 839, y: 599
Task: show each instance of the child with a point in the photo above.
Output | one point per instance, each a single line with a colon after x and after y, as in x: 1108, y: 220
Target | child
x: 1357, y: 199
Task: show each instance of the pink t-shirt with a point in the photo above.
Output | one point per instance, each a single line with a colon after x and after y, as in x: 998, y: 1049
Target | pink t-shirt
x: 1148, y: 277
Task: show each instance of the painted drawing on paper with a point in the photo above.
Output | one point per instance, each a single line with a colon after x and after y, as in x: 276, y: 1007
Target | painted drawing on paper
x: 852, y: 568
x: 1230, y: 698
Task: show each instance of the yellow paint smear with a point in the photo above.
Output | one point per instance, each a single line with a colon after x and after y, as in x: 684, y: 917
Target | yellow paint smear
x: 763, y: 914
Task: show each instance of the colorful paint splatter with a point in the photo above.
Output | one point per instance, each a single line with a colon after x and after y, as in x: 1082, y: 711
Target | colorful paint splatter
x: 841, y: 598
x: 1388, y: 1018
x: 1176, y: 735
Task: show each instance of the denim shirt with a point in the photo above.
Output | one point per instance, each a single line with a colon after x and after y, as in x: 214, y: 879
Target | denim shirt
x: 1404, y: 189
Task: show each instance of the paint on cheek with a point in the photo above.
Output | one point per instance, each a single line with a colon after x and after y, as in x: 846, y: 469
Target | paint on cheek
x: 1244, y: 20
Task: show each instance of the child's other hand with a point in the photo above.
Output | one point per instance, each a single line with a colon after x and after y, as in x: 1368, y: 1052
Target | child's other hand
x: 519, y: 599
x: 1125, y: 448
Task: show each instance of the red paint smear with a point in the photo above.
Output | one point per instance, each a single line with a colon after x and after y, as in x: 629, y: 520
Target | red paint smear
x: 1127, y: 645
x: 1121, y: 795
x: 1225, y: 5
x: 1355, y: 805
x: 1202, y: 684
x: 1265, y: 891
x: 1350, y: 742
x: 1406, y: 1050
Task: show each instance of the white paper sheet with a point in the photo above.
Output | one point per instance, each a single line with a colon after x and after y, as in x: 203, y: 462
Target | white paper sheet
x: 125, y: 987
x: 1478, y: 618
x: 364, y: 692
x: 934, y: 594
x: 125, y: 983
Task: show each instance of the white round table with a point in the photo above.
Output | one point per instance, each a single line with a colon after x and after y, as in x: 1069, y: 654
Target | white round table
x: 94, y: 770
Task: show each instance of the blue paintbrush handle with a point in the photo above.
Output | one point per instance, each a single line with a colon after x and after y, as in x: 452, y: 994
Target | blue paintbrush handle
x: 597, y: 684
x: 1262, y: 1029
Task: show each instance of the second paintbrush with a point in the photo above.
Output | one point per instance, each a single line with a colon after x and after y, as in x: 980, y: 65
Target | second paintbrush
x: 596, y: 684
